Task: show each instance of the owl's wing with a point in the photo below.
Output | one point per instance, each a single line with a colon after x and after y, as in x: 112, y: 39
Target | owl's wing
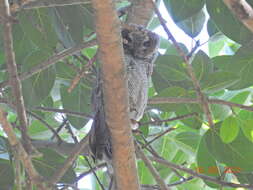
x: 137, y: 87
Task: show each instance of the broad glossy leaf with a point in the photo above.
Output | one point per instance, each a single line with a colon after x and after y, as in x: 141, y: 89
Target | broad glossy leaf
x: 68, y: 24
x: 38, y: 28
x: 188, y: 141
x: 227, y: 22
x: 22, y: 44
x: 242, y: 64
x: 168, y: 71
x: 144, y: 174
x: 171, y: 68
x: 49, y: 162
x: 193, y: 122
x: 218, y: 80
x: 220, y: 112
x: 235, y: 154
x: 206, y: 163
x: 37, y: 88
x: 79, y: 101
x: 246, y: 178
x: 6, y: 175
x: 201, y: 65
x: 229, y: 129
x: 194, y: 24
x: 222, y: 62
x: 217, y: 45
x: 170, y: 92
x: 211, y: 28
x: 181, y: 10
x: 247, y: 128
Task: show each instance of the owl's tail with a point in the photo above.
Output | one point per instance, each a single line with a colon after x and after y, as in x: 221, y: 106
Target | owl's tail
x: 100, y: 140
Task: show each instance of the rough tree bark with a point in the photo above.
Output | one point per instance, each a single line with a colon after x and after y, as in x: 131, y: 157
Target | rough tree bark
x: 115, y: 94
x: 242, y: 10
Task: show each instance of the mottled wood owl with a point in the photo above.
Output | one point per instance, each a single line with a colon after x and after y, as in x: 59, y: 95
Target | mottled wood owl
x: 140, y: 50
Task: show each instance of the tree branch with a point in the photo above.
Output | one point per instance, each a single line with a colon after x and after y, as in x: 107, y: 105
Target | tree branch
x: 115, y: 94
x: 202, y: 98
x: 172, y: 100
x: 34, y: 4
x: 196, y: 174
x: 242, y: 10
x: 151, y: 168
x: 21, y: 153
x: 69, y: 161
x: 68, y: 112
x: 15, y: 83
x: 52, y: 60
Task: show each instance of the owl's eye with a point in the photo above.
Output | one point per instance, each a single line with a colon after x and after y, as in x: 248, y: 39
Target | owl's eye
x: 147, y: 43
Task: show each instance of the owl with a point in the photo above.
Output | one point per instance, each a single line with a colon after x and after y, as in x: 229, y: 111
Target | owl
x: 140, y: 50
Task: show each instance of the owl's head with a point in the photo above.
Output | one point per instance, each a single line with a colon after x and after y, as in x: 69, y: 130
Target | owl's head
x: 138, y: 41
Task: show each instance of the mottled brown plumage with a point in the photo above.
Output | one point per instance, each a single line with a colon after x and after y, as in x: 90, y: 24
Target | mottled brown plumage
x: 140, y: 50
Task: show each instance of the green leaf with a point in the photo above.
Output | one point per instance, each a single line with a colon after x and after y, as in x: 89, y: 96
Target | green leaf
x: 201, y: 65
x: 222, y: 62
x: 192, y: 122
x: 206, y: 163
x: 193, y: 25
x: 229, y: 129
x: 68, y: 24
x: 188, y: 141
x: 49, y: 162
x: 171, y: 68
x: 6, y: 175
x: 235, y: 154
x: 181, y: 10
x: 168, y: 72
x: 170, y: 92
x: 22, y: 44
x: 79, y: 101
x: 145, y: 176
x: 220, y: 112
x: 227, y: 22
x: 217, y: 45
x: 37, y: 27
x: 247, y: 128
x: 218, y: 80
x: 211, y: 28
x: 37, y: 88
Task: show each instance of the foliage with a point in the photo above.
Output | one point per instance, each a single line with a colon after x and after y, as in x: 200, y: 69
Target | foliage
x: 224, y: 72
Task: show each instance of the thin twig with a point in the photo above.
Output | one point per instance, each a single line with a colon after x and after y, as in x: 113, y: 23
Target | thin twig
x: 34, y: 4
x: 102, y: 165
x: 68, y: 112
x: 159, y: 136
x: 82, y: 73
x: 94, y: 173
x: 179, y: 182
x: 46, y: 124
x: 157, y: 122
x: 60, y: 127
